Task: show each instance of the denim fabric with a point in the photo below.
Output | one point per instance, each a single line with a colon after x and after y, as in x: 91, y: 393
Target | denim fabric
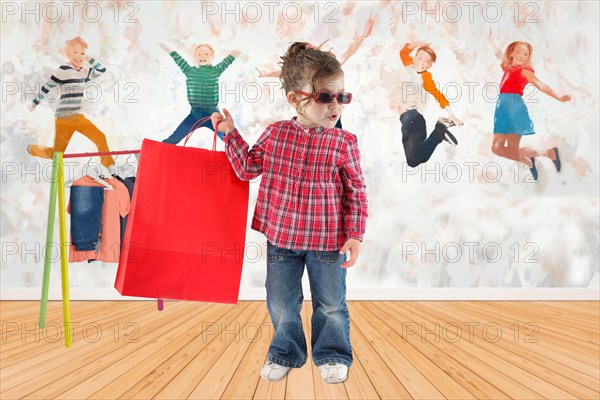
x: 330, y: 325
x: 418, y: 148
x: 183, y: 129
x: 86, y: 216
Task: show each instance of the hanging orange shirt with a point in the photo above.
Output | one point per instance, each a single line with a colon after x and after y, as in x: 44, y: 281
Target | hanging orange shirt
x: 116, y: 204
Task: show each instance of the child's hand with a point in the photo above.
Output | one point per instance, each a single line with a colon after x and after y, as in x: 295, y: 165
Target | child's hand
x: 87, y: 58
x: 354, y: 246
x: 417, y: 43
x: 31, y: 107
x: 564, y: 98
x: 164, y: 47
x: 223, y: 123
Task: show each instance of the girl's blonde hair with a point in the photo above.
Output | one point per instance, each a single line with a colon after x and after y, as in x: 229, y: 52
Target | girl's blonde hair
x: 78, y: 40
x: 507, y: 59
x: 302, y: 63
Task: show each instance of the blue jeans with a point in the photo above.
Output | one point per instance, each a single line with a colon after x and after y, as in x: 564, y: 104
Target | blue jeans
x: 86, y: 215
x: 184, y: 127
x: 418, y: 148
x: 330, y: 325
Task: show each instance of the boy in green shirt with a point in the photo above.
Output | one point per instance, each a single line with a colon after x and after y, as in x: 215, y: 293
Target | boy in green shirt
x: 202, y: 88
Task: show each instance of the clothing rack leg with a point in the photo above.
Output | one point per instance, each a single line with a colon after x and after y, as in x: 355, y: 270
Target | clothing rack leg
x: 49, y: 238
x: 64, y: 260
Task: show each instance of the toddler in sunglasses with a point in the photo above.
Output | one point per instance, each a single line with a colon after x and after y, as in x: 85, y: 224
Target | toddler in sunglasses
x: 311, y: 206
x: 418, y: 148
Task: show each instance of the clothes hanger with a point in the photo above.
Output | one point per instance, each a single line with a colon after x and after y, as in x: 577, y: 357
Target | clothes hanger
x: 95, y: 177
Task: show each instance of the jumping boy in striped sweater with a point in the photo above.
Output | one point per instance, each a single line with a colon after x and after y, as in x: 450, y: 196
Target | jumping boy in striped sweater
x: 202, y: 88
x: 70, y: 80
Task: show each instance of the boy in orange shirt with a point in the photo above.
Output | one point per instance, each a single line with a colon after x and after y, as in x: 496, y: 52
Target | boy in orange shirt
x: 417, y: 146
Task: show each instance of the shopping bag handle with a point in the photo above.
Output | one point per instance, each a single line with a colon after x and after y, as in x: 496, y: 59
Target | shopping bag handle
x: 194, y: 127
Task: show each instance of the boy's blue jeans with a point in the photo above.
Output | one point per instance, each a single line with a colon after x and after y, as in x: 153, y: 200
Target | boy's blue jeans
x: 330, y: 325
x: 184, y: 127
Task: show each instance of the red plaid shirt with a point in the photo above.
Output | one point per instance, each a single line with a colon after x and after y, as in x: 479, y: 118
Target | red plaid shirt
x: 312, y: 195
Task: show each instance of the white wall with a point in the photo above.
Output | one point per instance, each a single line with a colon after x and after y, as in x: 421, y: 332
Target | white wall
x: 439, y: 226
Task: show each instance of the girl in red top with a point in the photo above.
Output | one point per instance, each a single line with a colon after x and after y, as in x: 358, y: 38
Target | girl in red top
x: 511, y: 119
x: 311, y: 206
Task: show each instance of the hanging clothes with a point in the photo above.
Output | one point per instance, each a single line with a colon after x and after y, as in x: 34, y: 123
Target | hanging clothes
x: 129, y: 182
x: 116, y: 204
x: 86, y: 214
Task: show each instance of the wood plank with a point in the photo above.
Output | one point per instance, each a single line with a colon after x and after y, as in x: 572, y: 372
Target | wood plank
x: 516, y: 354
x: 481, y: 351
x: 52, y: 353
x: 300, y: 381
x: 358, y: 385
x: 384, y: 381
x: 452, y: 379
x: 215, y: 381
x: 177, y: 377
x: 63, y: 373
x: 479, y: 360
x: 409, y: 365
x: 242, y: 385
x: 110, y: 383
x: 577, y: 326
x: 542, y: 342
x: 30, y: 323
x: 462, y: 373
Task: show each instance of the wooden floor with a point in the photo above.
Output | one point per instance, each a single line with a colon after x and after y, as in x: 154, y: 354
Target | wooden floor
x: 402, y: 350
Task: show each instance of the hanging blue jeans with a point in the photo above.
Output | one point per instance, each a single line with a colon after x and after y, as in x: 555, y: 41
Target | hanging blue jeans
x: 330, y: 333
x: 195, y: 115
x: 86, y: 216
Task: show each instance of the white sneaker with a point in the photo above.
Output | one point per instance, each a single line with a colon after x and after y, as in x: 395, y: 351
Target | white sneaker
x: 273, y: 372
x: 333, y: 372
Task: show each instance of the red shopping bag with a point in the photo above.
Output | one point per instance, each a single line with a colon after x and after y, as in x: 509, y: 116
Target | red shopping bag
x: 186, y: 230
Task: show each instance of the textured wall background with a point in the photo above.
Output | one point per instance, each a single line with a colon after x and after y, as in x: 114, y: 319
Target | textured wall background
x: 466, y: 219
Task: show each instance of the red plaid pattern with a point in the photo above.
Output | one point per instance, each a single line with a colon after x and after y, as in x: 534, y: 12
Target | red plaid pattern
x: 312, y: 194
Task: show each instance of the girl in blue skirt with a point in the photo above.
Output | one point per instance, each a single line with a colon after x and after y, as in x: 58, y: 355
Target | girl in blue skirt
x: 511, y: 119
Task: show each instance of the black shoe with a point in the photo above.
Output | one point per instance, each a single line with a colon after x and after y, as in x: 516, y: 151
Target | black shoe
x: 533, y: 169
x: 446, y: 121
x: 446, y: 134
x: 556, y: 160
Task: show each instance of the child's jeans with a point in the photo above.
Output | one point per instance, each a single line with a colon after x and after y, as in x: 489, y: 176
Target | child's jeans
x: 196, y: 114
x: 418, y: 148
x: 330, y: 325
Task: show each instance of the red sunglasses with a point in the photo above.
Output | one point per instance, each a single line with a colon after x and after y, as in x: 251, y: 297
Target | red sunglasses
x: 326, y: 97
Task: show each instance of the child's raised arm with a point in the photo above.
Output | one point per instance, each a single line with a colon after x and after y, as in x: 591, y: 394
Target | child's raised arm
x: 498, y: 52
x: 407, y: 60
x: 247, y: 163
x: 226, y: 62
x: 165, y: 48
x: 181, y: 63
x: 531, y: 78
